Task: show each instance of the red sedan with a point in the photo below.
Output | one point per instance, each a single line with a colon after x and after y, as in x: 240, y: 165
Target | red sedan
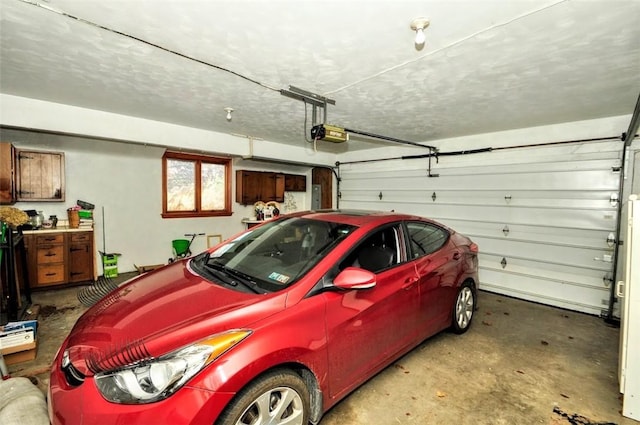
x: 273, y: 326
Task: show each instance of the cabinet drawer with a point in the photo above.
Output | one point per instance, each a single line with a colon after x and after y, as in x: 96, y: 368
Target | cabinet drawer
x: 81, y: 237
x: 52, y: 274
x: 50, y: 254
x: 53, y: 238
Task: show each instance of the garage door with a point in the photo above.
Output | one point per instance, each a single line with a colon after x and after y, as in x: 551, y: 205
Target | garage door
x: 544, y: 217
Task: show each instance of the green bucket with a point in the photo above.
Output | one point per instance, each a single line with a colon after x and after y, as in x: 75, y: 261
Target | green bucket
x: 180, y: 247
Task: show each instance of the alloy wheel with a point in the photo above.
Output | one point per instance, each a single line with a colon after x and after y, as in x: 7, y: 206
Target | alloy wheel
x: 464, y: 307
x: 278, y: 406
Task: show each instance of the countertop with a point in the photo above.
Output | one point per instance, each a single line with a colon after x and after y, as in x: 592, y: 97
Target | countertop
x: 57, y: 230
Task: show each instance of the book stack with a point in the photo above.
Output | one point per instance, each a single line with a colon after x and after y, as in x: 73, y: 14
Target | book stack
x: 86, y: 223
x: 86, y: 219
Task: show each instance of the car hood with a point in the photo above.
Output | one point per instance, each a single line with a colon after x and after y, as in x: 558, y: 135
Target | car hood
x: 158, y: 313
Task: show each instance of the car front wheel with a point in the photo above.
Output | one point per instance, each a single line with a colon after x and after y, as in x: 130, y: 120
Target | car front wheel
x: 463, y: 309
x: 277, y: 398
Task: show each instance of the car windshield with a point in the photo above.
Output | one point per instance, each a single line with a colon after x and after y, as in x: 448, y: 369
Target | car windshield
x: 273, y: 256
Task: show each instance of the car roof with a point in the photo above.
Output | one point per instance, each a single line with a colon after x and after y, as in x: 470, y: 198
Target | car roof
x: 357, y: 217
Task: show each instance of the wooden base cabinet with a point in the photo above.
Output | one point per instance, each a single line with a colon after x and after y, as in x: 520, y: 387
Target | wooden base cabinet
x: 49, y: 251
x: 58, y: 258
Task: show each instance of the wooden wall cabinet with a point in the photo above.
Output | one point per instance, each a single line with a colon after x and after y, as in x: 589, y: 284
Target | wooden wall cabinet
x: 7, y: 174
x: 40, y: 176
x: 57, y: 258
x: 254, y: 186
x: 295, y: 183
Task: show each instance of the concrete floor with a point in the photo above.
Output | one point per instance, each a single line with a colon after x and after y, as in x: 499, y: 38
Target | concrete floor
x: 520, y: 363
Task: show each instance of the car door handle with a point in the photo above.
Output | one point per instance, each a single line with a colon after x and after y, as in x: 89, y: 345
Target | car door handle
x: 456, y: 255
x: 409, y: 282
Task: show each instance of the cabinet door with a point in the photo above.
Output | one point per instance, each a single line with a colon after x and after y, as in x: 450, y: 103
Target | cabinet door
x: 7, y: 176
x: 80, y: 262
x: 295, y: 183
x: 273, y: 187
x: 80, y: 256
x: 279, y: 195
x: 248, y: 187
x: 40, y: 176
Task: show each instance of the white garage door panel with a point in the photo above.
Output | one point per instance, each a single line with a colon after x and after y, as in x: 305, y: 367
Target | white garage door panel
x: 581, y: 257
x: 600, y: 200
x: 592, y: 276
x: 558, y: 204
x: 544, y: 234
x: 587, y: 219
x: 578, y: 180
x: 586, y: 300
x: 444, y: 169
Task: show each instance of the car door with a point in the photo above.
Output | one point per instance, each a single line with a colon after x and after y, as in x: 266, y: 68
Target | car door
x: 365, y: 327
x: 436, y: 260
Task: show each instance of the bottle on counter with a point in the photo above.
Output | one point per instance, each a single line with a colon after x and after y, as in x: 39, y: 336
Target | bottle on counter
x: 54, y: 221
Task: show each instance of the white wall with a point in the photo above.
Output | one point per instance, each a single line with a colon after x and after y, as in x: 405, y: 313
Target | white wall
x: 20, y: 112
x: 126, y: 180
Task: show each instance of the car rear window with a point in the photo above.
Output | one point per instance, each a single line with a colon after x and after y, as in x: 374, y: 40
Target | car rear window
x: 425, y: 238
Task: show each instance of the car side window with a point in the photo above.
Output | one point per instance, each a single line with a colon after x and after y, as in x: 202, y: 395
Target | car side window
x: 425, y: 238
x: 377, y: 252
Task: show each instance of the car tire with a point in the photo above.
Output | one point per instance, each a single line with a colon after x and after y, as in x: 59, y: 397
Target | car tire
x: 463, y: 308
x: 277, y: 397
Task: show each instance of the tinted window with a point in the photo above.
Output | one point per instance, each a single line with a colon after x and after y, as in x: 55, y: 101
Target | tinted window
x: 377, y: 252
x: 425, y: 238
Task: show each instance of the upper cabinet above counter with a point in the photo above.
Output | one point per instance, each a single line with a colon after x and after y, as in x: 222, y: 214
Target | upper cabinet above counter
x: 254, y: 186
x: 28, y: 175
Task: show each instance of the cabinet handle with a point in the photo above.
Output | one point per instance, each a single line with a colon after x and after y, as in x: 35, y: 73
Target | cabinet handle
x: 75, y: 273
x: 76, y: 249
x: 51, y: 274
x: 49, y: 239
x: 49, y: 254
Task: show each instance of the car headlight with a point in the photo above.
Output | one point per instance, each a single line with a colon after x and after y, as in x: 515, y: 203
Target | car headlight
x: 157, y: 379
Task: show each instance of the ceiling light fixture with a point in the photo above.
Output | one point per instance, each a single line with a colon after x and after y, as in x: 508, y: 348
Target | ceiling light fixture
x: 229, y: 111
x: 419, y: 25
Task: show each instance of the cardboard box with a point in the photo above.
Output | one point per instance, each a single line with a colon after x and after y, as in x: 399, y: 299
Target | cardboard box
x: 20, y: 353
x: 18, y: 341
x: 18, y: 333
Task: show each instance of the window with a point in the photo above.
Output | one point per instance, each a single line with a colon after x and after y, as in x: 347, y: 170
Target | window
x: 195, y: 185
x: 378, y: 252
x: 425, y: 238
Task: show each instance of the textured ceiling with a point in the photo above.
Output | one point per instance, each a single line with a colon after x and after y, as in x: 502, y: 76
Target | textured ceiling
x: 486, y: 66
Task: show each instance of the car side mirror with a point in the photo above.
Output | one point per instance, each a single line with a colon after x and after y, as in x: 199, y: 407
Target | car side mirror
x: 355, y: 278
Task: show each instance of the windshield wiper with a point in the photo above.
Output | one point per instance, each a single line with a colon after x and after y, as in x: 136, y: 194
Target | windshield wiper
x: 233, y: 277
